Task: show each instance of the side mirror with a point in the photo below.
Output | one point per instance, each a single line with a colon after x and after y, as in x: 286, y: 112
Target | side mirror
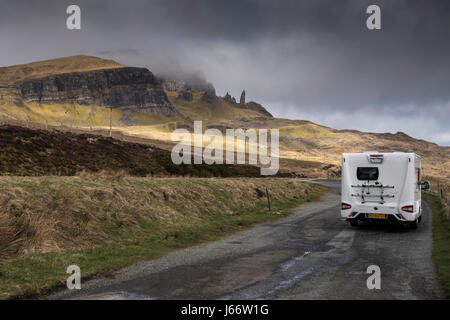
x: 426, y: 186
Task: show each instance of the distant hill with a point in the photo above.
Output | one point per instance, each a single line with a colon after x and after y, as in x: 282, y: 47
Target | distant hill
x: 16, y: 74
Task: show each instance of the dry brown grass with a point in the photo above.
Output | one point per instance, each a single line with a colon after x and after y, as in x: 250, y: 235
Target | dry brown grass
x: 36, y: 222
x: 110, y: 174
x: 10, y: 239
x: 50, y: 214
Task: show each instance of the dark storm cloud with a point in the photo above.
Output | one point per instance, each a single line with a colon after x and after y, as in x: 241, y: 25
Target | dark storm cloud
x: 302, y: 59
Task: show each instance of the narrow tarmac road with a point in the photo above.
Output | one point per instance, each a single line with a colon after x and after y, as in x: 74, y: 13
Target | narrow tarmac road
x: 311, y: 254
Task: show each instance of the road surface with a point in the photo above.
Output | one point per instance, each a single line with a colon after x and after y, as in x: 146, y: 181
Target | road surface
x: 311, y: 254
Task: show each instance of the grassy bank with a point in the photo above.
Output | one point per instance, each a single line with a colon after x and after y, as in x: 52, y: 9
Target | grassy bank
x: 441, y: 241
x: 103, y: 223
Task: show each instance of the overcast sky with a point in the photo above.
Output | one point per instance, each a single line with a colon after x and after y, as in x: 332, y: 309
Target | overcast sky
x: 313, y: 60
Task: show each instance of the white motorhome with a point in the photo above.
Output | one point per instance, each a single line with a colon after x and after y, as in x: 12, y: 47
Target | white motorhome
x: 381, y: 186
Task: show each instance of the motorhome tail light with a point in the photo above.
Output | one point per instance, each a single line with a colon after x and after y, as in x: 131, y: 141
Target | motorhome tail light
x: 345, y: 206
x: 376, y: 158
x: 409, y: 209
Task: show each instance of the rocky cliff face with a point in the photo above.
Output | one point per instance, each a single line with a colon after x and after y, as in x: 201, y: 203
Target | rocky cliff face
x: 228, y: 98
x: 185, y: 95
x: 125, y: 88
x: 242, y: 100
x: 194, y: 84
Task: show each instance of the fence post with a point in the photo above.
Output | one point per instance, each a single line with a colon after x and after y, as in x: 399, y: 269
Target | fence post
x: 110, y: 121
x: 268, y: 198
x: 71, y: 124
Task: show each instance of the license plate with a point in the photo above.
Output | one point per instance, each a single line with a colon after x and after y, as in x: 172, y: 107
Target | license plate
x: 377, y: 216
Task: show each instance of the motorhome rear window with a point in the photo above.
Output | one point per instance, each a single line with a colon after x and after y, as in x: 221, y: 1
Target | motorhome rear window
x: 365, y: 173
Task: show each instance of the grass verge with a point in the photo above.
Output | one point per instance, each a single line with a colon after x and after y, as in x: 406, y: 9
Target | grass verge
x: 102, y: 223
x: 441, y: 241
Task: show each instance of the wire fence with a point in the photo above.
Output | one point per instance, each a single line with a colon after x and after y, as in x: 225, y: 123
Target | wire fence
x: 444, y: 199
